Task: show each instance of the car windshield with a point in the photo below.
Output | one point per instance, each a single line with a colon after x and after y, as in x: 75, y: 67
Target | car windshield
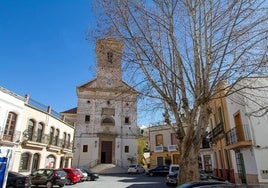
x: 60, y: 173
x: 132, y: 166
x: 175, y: 169
x: 42, y: 172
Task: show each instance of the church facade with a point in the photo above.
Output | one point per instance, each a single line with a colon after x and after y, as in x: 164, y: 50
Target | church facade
x: 106, y: 114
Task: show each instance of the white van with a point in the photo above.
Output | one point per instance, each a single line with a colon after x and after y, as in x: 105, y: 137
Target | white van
x: 174, y: 168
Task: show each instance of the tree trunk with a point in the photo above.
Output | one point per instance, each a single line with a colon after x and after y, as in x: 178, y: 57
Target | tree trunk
x: 189, y: 163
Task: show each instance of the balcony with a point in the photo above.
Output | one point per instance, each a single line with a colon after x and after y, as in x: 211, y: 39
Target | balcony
x: 205, y: 143
x: 34, y: 141
x: 54, y: 148
x: 38, y: 141
x: 172, y: 148
x: 238, y: 137
x: 9, y: 140
x: 217, y: 131
x: 158, y: 148
x: 67, y: 147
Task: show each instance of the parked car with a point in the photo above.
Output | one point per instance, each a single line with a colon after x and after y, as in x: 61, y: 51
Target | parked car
x: 48, y: 177
x: 17, y: 180
x: 73, y: 176
x: 83, y: 175
x: 174, y: 168
x: 135, y: 168
x: 159, y: 171
x: 171, y: 179
x: 91, y: 176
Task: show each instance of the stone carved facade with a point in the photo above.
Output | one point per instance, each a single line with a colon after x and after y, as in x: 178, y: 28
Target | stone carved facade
x: 106, y: 114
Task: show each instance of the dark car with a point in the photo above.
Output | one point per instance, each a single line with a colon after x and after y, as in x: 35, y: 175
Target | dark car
x: 17, y: 180
x: 73, y: 176
x: 48, y: 177
x: 91, y: 176
x: 159, y: 171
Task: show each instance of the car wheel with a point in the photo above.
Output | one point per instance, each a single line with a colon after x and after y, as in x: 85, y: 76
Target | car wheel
x: 151, y: 174
x: 61, y: 185
x: 68, y: 182
x: 49, y: 184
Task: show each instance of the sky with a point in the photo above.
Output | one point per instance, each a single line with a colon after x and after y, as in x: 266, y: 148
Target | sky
x: 44, y: 52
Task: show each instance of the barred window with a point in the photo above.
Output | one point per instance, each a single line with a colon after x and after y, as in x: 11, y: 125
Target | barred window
x: 39, y: 132
x: 87, y: 118
x: 30, y: 129
x: 126, y: 149
x: 85, y: 148
x: 10, y: 126
x: 24, y: 162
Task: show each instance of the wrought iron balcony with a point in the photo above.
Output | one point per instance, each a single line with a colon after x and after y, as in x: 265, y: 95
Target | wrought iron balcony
x: 165, y: 148
x: 39, y: 141
x: 172, y: 148
x: 9, y: 139
x: 219, y: 129
x: 34, y: 140
x: 158, y: 149
x: 205, y: 143
x: 238, y: 137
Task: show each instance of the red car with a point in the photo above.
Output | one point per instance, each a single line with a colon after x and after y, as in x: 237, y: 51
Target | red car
x: 73, y: 176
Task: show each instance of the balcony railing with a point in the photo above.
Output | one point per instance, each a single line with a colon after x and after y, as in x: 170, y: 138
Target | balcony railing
x: 218, y: 129
x: 235, y: 135
x: 158, y: 149
x: 10, y: 138
x: 34, y: 140
x: 46, y: 109
x: 205, y: 143
x: 35, y: 137
x: 172, y: 148
x: 165, y: 148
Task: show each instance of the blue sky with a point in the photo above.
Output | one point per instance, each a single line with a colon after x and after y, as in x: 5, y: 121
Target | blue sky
x: 44, y: 51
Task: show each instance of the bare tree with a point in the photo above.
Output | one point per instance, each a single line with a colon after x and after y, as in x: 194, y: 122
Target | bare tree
x: 178, y: 51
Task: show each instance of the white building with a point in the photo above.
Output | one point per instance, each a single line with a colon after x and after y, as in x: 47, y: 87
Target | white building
x: 35, y: 134
x: 247, y: 138
x: 106, y: 115
x: 11, y: 118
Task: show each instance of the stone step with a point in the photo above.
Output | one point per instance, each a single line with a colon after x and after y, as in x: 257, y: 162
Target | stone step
x: 108, y: 169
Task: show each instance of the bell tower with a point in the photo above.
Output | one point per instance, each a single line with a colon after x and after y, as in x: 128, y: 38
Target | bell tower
x: 109, y: 55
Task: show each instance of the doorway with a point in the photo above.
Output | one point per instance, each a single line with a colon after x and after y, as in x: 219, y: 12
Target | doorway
x: 106, y: 151
x: 239, y: 127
